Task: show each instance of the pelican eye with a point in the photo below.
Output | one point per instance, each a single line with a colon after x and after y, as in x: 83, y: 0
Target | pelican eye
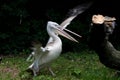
x: 55, y: 24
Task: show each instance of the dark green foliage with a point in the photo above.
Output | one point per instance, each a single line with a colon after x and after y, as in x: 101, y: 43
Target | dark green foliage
x: 19, y: 26
x: 22, y: 21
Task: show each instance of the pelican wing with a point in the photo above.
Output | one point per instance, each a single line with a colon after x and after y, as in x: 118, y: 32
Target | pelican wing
x: 38, y: 49
x: 74, y: 12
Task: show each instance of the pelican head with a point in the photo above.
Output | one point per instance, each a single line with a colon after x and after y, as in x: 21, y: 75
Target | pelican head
x: 54, y: 28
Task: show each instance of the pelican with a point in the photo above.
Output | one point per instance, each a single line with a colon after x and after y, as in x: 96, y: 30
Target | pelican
x: 71, y: 15
x: 45, y: 55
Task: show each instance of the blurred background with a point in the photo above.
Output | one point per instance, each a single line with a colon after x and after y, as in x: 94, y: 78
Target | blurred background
x: 22, y: 21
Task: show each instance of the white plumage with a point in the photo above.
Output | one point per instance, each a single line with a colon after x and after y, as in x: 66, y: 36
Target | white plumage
x: 45, y: 55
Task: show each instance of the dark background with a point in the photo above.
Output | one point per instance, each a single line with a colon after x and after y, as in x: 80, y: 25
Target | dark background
x: 16, y: 37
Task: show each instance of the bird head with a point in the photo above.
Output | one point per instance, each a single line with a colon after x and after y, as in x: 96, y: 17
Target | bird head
x: 56, y: 28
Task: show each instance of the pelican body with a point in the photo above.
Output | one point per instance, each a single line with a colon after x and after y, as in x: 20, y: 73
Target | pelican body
x: 44, y: 56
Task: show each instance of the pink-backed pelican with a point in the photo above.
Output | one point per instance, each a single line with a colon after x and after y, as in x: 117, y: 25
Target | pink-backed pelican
x: 45, y: 55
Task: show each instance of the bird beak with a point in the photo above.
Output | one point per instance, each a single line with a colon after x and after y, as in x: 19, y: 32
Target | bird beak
x: 73, y: 32
x: 64, y: 34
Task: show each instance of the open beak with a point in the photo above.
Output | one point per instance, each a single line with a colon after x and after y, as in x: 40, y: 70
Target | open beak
x: 64, y: 34
x: 73, y: 32
x: 65, y: 23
